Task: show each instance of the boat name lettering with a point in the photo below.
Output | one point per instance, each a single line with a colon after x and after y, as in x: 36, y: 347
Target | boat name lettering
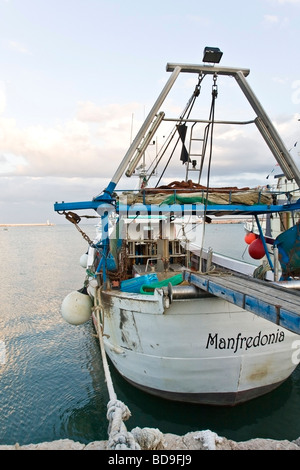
x: 244, y: 342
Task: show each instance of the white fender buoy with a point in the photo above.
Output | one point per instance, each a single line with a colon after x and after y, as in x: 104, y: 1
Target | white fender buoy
x: 76, y: 307
x: 83, y: 260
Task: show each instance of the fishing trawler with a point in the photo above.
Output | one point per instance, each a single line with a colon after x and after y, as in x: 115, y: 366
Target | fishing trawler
x: 177, y: 320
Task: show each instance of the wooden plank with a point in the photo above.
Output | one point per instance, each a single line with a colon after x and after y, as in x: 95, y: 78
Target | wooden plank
x: 262, y: 308
x: 230, y: 295
x: 289, y: 320
x: 271, y: 302
x: 275, y: 290
x: 270, y: 294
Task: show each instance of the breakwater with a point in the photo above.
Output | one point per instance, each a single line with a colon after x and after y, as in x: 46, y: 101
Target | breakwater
x: 28, y: 225
x: 193, y: 441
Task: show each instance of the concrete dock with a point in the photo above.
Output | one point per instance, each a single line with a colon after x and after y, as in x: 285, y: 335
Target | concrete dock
x: 199, y: 440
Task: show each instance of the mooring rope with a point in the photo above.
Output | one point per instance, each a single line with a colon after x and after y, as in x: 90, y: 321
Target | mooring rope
x: 117, y: 411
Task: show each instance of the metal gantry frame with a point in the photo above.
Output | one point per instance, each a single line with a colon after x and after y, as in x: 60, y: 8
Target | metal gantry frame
x: 132, y: 158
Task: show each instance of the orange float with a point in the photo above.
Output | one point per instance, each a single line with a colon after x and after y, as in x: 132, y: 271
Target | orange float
x: 250, y: 237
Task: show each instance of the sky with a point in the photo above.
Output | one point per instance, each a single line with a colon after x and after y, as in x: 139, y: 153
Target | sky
x: 77, y: 77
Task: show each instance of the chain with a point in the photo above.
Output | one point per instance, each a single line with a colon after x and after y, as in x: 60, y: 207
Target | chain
x: 75, y: 219
x: 84, y: 235
x: 215, y: 86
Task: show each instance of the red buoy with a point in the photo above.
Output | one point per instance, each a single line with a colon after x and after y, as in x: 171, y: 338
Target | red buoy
x: 250, y: 237
x: 256, y: 249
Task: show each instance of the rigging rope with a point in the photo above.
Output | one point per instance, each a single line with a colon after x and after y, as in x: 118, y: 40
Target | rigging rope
x: 188, y: 109
x: 212, y: 119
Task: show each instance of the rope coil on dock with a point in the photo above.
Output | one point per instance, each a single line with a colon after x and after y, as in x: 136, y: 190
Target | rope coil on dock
x: 119, y: 437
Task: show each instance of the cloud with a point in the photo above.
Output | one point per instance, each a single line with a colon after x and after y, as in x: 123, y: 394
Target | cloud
x: 18, y: 47
x: 293, y: 2
x: 281, y: 80
x: 271, y: 19
x: 76, y: 159
x: 92, y: 143
x: 2, y: 97
x: 9, y: 163
x: 31, y: 199
x: 199, y: 20
x: 45, y: 151
x: 274, y: 20
x: 90, y: 112
x: 288, y: 127
x: 284, y: 2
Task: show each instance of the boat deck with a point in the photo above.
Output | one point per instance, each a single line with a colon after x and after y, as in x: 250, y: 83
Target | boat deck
x: 272, y: 302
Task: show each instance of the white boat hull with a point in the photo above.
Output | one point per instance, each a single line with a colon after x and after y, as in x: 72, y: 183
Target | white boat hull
x: 202, y: 350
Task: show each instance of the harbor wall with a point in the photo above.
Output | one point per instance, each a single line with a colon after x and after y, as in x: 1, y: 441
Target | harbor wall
x: 200, y: 440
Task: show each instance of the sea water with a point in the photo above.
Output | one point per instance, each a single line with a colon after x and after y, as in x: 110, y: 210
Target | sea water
x: 52, y: 384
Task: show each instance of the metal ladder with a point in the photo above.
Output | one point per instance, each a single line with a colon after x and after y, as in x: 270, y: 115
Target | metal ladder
x: 192, y: 163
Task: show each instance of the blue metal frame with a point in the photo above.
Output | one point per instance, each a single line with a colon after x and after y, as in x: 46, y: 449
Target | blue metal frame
x: 261, y: 235
x: 196, y: 209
